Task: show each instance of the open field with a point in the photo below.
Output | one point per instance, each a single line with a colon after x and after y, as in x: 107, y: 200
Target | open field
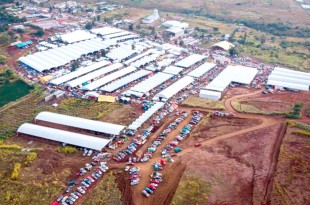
x: 286, y: 11
x: 197, y: 102
x: 291, y: 183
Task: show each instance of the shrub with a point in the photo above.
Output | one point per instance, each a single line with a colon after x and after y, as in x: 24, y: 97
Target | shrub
x: 302, y: 133
x: 11, y: 147
x: 67, y: 150
x: 308, y: 111
x: 296, y: 114
x: 16, y: 170
x: 30, y: 157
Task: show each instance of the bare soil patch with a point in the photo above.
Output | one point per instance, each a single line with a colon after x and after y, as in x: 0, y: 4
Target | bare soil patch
x: 292, y: 182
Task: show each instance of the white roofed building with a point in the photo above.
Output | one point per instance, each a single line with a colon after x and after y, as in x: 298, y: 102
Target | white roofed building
x: 81, y: 123
x: 63, y: 136
x: 152, y: 18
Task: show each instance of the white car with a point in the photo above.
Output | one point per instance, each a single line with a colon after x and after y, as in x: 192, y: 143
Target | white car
x: 90, y: 152
x: 127, y: 168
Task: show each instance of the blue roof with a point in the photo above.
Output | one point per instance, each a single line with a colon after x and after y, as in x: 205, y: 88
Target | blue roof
x: 23, y: 44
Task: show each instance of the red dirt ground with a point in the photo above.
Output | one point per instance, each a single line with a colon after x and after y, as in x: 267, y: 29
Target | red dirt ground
x: 292, y: 181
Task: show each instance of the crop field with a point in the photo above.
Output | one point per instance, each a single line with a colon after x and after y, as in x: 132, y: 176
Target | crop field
x: 12, y: 91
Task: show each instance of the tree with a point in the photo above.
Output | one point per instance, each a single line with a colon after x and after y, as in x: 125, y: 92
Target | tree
x: 50, y: 8
x: 88, y: 26
x: 19, y: 30
x: 39, y: 33
x: 103, y: 53
x: 232, y: 52
x: 133, y: 47
x: 17, y: 3
x: 130, y: 27
x: 216, y: 29
x: 262, y: 39
x: 75, y: 65
x: 181, y: 43
x: 98, y: 18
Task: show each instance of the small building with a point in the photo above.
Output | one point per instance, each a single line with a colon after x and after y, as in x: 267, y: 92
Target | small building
x: 211, y: 95
x: 152, y: 18
x: 171, y: 24
x: 174, y: 33
x: 223, y: 45
x: 24, y: 44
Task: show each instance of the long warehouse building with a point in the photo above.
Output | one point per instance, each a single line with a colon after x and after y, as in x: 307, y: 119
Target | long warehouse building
x: 63, y: 136
x: 93, y: 75
x: 81, y: 123
x: 147, y: 85
x: 109, y: 78
x: 79, y: 72
x: 173, y: 89
x: 60, y: 56
x: 124, y: 81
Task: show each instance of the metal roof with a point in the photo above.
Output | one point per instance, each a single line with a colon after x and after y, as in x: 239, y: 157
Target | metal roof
x: 71, y: 138
x: 75, y: 36
x: 79, y: 72
x: 294, y: 86
x: 190, y: 60
x: 109, y: 78
x: 95, y: 74
x: 124, y: 81
x: 172, y: 70
x: 201, y: 70
x: 175, y: 87
x: 151, y: 83
x: 82, y: 123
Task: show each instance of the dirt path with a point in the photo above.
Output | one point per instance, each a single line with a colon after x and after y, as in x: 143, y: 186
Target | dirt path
x: 227, y: 102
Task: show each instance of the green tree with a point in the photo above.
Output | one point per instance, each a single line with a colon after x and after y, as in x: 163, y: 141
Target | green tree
x: 88, y: 26
x: 98, y: 18
x: 232, y: 52
x: 103, y: 53
x: 130, y: 27
x: 216, y: 29
x: 19, y: 30
x: 39, y: 33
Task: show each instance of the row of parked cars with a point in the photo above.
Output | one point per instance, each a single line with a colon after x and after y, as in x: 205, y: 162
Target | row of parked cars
x: 152, y: 148
x: 134, y: 175
x: 156, y: 179
x: 140, y: 139
x: 173, y: 144
x: 72, y: 196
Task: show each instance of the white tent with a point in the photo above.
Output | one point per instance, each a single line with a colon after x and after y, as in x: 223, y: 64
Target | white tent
x: 288, y: 85
x: 82, y: 123
x: 62, y: 136
x: 120, y: 53
x: 201, y: 70
x: 109, y: 78
x: 212, y: 95
x: 190, y: 60
x: 124, y: 81
x: 175, y: 88
x: 75, y: 36
x: 173, y: 70
x: 79, y: 72
x: 95, y: 74
x: 151, y: 83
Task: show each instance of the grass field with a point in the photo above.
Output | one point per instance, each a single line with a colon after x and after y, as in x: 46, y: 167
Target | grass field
x: 196, y: 102
x: 12, y: 91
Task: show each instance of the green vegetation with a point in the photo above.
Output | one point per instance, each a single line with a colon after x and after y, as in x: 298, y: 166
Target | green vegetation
x: 13, y: 115
x: 196, y: 102
x: 308, y: 111
x: 38, y: 33
x: 106, y: 192
x: 67, y: 150
x: 13, y: 91
x: 2, y: 59
x: 6, y: 19
x: 11, y: 87
x: 14, y: 189
x: 296, y: 114
x: 302, y: 133
x: 246, y: 106
x: 191, y: 191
